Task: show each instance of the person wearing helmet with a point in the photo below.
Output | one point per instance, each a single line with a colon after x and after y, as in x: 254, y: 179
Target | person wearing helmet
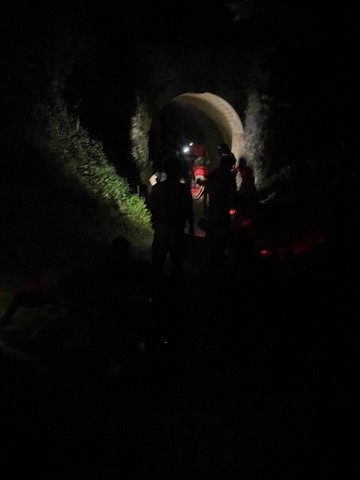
x: 224, y: 151
x: 221, y: 192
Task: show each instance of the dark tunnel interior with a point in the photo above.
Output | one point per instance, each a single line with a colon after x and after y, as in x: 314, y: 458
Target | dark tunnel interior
x: 176, y: 125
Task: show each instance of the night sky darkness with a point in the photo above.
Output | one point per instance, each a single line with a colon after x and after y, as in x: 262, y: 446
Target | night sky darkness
x: 309, y: 49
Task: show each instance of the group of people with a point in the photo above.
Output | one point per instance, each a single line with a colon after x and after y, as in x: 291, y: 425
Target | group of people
x: 171, y: 206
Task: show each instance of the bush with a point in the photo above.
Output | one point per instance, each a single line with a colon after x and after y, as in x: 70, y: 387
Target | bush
x: 81, y: 157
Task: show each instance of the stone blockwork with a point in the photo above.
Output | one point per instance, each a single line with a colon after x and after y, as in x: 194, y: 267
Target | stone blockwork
x: 211, y: 82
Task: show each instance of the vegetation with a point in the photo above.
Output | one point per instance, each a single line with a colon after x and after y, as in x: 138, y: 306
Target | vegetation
x: 64, y: 204
x: 80, y: 156
x: 66, y: 176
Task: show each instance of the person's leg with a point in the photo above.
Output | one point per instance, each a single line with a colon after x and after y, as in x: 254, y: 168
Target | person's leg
x: 160, y: 249
x: 177, y: 248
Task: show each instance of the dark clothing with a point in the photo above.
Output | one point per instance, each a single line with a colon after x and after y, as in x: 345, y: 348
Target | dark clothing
x: 171, y: 204
x: 171, y: 207
x: 221, y: 191
x: 247, y: 197
x: 166, y: 241
x: 230, y: 159
x: 247, y: 186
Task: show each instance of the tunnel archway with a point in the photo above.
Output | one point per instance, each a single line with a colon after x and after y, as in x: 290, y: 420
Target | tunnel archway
x: 222, y: 114
x: 197, y: 83
x: 203, y: 118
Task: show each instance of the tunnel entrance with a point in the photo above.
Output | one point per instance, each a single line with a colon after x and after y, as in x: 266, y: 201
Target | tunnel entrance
x: 202, y: 118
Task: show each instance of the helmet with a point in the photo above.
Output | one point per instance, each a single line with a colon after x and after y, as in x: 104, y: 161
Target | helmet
x: 223, y: 148
x: 198, y: 150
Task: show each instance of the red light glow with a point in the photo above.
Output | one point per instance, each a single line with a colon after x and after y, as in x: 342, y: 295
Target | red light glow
x: 246, y: 222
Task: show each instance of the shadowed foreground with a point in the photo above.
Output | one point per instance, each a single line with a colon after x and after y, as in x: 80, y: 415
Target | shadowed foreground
x: 243, y: 370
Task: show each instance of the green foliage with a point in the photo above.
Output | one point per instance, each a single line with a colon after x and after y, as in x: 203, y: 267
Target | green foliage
x: 82, y: 157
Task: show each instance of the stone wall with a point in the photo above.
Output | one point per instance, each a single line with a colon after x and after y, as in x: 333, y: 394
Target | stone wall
x: 214, y: 83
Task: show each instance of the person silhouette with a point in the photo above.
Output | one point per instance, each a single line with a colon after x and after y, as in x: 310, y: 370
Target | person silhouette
x: 221, y: 191
x: 247, y: 195
x: 171, y: 207
x: 224, y: 151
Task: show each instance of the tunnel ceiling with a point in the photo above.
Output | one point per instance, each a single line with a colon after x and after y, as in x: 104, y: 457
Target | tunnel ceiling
x: 200, y: 118
x: 221, y: 113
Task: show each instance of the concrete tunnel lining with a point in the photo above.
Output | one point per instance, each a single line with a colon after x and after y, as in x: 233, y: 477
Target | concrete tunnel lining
x: 222, y: 114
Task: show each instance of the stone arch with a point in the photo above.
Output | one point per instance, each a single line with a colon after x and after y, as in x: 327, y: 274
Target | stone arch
x: 212, y: 106
x: 201, y: 80
x: 222, y: 114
